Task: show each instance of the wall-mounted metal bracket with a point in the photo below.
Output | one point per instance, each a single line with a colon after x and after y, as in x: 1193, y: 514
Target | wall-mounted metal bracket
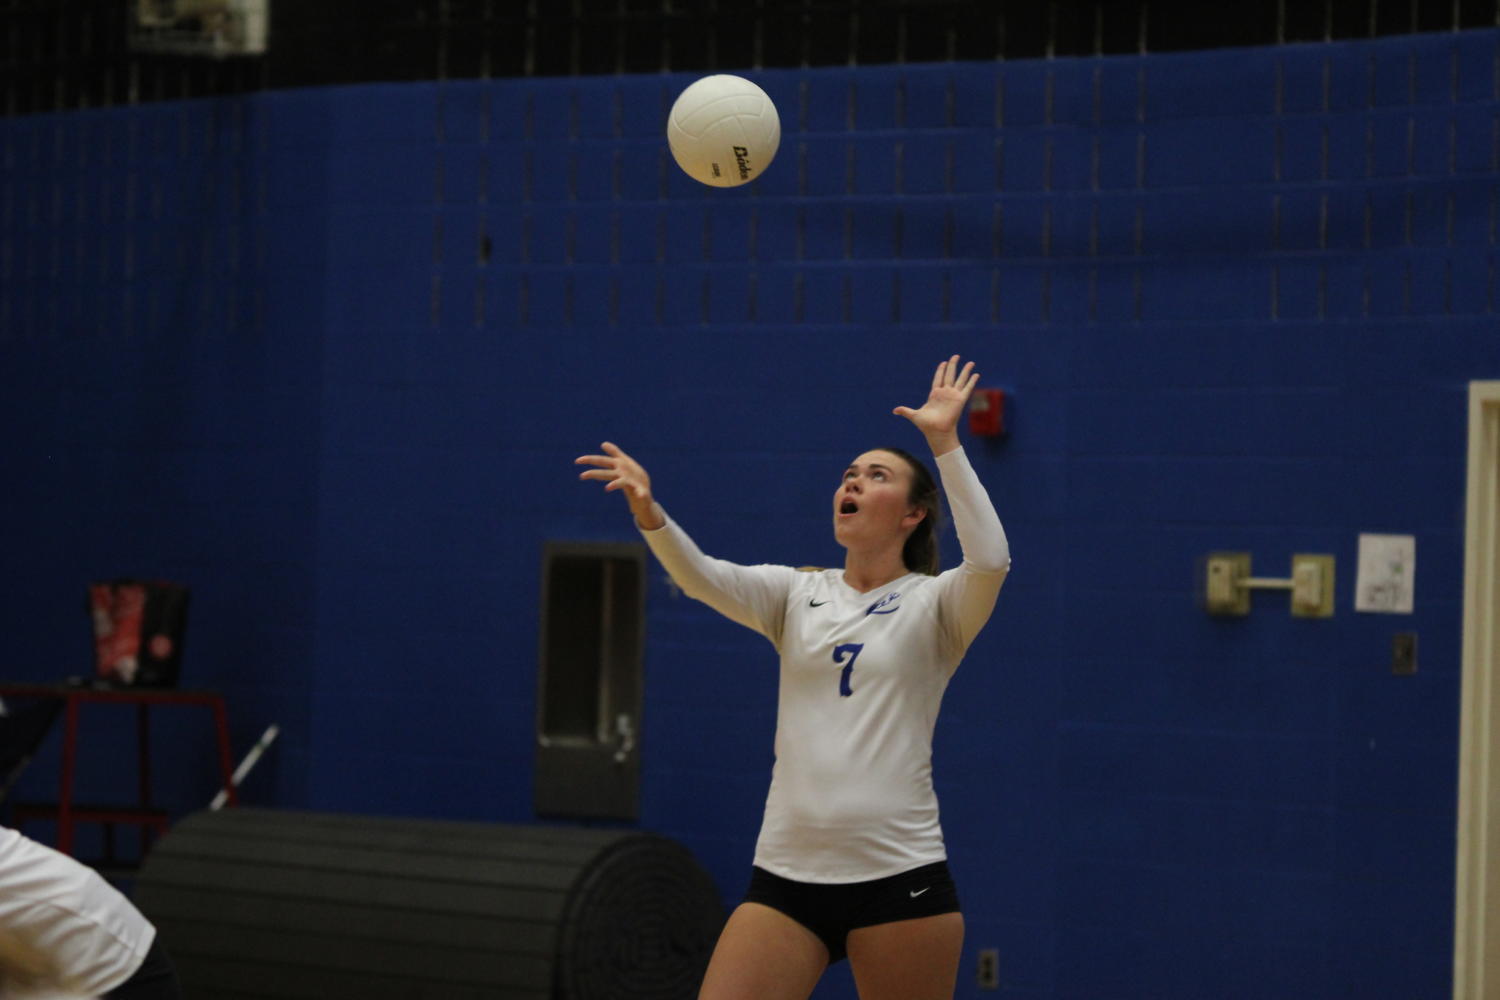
x: 1225, y: 584
x: 1220, y: 583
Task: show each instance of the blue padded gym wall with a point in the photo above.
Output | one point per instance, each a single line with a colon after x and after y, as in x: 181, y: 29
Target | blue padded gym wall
x: 326, y: 356
x: 160, y: 301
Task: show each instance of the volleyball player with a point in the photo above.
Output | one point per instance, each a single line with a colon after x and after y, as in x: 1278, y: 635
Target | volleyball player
x: 67, y: 933
x: 850, y: 860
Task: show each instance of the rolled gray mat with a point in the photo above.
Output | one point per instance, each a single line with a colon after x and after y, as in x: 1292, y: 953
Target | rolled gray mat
x: 284, y: 904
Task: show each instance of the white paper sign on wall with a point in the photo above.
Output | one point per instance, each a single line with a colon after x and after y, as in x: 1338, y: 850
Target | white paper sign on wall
x: 1387, y: 573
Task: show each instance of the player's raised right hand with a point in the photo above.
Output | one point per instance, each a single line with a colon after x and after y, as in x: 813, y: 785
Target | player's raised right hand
x: 618, y: 471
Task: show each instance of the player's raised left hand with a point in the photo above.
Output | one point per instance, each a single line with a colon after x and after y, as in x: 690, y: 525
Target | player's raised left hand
x: 937, y: 418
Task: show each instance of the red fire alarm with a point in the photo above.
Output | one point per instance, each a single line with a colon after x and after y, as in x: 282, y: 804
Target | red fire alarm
x: 987, y: 413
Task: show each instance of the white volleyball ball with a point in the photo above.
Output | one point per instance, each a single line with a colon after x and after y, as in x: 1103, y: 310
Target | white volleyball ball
x: 723, y: 130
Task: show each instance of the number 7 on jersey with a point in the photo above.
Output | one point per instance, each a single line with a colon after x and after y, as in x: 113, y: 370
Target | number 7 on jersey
x: 851, y: 650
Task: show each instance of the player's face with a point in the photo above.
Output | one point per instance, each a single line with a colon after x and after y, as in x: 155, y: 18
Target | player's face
x: 872, y: 503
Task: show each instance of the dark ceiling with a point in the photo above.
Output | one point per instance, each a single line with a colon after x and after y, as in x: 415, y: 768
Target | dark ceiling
x: 65, y: 54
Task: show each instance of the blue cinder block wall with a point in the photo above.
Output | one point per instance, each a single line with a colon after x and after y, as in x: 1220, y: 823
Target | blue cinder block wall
x: 326, y: 356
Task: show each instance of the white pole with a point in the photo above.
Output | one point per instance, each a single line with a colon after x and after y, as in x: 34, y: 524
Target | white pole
x: 266, y: 739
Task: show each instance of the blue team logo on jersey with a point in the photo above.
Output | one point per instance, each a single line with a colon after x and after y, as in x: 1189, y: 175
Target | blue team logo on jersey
x: 885, y: 606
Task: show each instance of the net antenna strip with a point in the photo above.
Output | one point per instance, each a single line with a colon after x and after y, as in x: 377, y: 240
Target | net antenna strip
x: 261, y: 745
x: 1225, y: 583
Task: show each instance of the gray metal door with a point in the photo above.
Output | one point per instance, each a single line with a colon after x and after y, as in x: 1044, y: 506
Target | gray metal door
x: 589, y: 688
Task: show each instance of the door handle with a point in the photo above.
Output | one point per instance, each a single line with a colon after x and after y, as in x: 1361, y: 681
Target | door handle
x: 626, y: 732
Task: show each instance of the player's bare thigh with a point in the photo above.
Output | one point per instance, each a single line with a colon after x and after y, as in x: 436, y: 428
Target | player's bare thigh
x: 908, y: 959
x: 763, y: 954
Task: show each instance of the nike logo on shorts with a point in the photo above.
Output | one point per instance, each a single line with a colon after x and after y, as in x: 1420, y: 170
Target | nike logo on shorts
x: 917, y: 892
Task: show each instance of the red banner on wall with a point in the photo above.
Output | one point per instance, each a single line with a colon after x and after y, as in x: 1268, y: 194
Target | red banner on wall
x: 138, y: 628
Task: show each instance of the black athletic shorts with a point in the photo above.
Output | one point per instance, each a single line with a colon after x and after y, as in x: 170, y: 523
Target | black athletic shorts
x: 156, y: 979
x: 832, y: 910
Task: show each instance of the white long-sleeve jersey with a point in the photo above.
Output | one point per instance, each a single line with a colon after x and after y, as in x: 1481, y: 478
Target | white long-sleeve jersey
x: 64, y: 931
x: 862, y: 677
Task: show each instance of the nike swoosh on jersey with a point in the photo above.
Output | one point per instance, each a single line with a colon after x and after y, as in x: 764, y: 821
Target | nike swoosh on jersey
x: 816, y: 604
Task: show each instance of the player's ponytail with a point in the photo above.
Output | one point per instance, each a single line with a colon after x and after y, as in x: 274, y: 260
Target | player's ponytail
x: 920, y: 554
